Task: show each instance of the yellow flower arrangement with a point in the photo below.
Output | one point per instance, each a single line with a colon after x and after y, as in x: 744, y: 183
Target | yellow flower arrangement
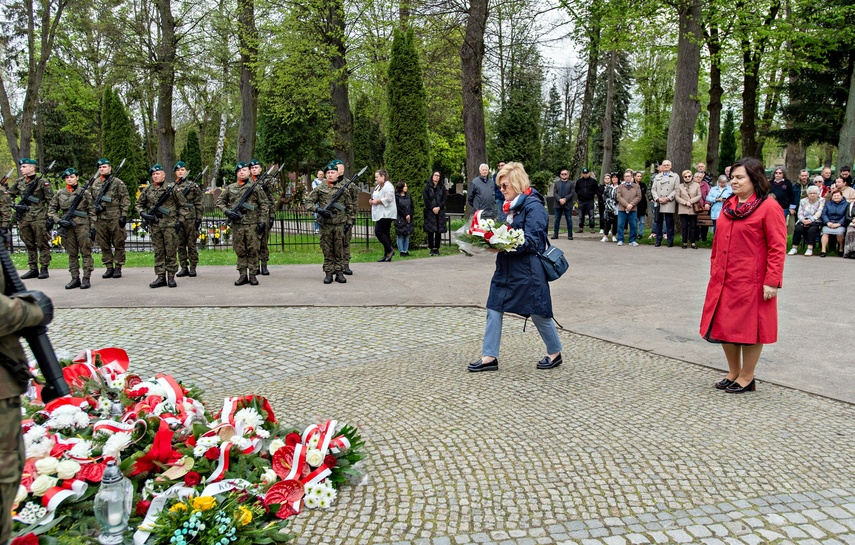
x: 178, y: 507
x: 203, y: 503
x: 243, y: 516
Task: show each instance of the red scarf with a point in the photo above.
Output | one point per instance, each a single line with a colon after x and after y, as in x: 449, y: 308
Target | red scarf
x: 742, y: 210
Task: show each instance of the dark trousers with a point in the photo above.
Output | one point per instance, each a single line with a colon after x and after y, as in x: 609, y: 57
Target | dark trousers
x: 668, y: 219
x: 808, y: 233
x: 689, y: 228
x: 568, y: 215
x: 610, y: 224
x: 602, y: 210
x: 381, y: 231
x: 586, y: 208
x: 434, y: 240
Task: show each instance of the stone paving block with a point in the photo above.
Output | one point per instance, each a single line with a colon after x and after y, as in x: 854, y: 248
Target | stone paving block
x: 614, y: 540
x: 753, y: 522
x: 575, y: 525
x: 498, y: 535
x: 579, y: 534
x: 699, y: 531
x: 598, y: 532
x: 769, y: 535
x: 837, y: 512
x: 712, y: 541
x: 637, y: 539
x: 793, y: 532
x: 718, y: 529
x: 679, y: 536
x: 441, y: 541
x: 737, y: 528
x: 813, y: 531
x: 832, y: 526
x: 659, y: 537
x: 752, y: 539
x: 516, y: 533
x: 809, y: 542
x: 815, y: 514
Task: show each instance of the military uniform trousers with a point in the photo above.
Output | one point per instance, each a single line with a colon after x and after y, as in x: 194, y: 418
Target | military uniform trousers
x: 111, y: 239
x: 245, y: 241
x: 36, y: 238
x: 187, y: 252
x: 346, y: 244
x: 263, y: 243
x: 165, y: 242
x: 78, y: 245
x: 332, y: 245
x: 11, y: 460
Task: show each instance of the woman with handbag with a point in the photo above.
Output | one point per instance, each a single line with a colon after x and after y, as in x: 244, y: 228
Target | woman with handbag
x: 688, y: 197
x: 519, y: 283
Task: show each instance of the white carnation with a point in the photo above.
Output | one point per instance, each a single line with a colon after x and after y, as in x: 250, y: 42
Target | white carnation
x: 118, y: 383
x: 313, y: 442
x: 324, y: 503
x: 242, y: 443
x: 42, y: 484
x: 261, y: 432
x: 154, y: 388
x: 116, y: 444
x: 275, y: 445
x: 269, y: 476
x: 67, y: 469
x: 40, y: 449
x: 35, y: 433
x: 314, y: 457
x: 47, y: 466
x: 250, y: 418
x: 67, y: 416
x: 210, y: 441
x: 81, y: 449
x: 311, y: 502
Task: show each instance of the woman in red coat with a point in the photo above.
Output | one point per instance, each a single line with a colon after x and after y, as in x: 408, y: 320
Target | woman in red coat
x: 746, y: 270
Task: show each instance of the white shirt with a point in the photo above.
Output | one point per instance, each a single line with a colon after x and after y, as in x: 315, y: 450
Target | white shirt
x: 386, y: 208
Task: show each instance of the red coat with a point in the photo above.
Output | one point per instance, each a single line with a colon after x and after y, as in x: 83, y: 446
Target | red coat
x: 746, y: 255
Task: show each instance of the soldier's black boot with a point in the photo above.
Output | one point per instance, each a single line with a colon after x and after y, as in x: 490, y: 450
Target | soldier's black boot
x: 192, y: 272
x: 43, y: 273
x: 328, y: 278
x: 85, y: 284
x: 109, y: 273
x: 242, y: 279
x: 117, y: 271
x: 75, y: 283
x: 347, y: 270
x: 264, y: 271
x: 32, y: 273
x: 339, y: 277
x: 253, y: 281
x: 183, y: 272
x: 159, y: 282
x: 171, y: 281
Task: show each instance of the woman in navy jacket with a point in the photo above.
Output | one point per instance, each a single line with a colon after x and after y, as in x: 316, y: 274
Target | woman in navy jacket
x: 519, y: 283
x: 834, y: 221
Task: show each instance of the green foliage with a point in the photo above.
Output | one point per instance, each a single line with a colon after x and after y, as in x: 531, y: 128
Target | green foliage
x: 192, y: 154
x: 542, y: 181
x: 120, y: 140
x: 448, y: 155
x: 620, y: 109
x: 407, y: 146
x: 727, y: 149
x: 555, y: 153
x: 297, y: 143
x: 368, y: 139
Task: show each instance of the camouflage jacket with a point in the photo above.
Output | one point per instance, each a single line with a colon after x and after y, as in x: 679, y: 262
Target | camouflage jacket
x: 15, y: 314
x: 271, y: 191
x: 61, y: 202
x: 193, y: 195
x: 322, y: 195
x: 38, y: 201
x: 6, y: 210
x: 116, y: 201
x: 256, y: 207
x: 174, y: 208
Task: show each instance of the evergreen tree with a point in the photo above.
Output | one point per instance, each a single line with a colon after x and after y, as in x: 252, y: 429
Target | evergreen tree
x: 300, y: 144
x: 368, y: 140
x: 120, y: 140
x: 620, y: 112
x: 555, y: 152
x: 192, y: 155
x: 727, y: 153
x: 407, y: 151
x: 517, y: 133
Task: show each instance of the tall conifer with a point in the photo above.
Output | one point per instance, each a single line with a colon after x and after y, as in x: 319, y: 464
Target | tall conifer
x: 120, y: 140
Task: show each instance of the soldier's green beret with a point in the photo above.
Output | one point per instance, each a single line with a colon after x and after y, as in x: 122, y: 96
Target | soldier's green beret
x: 103, y: 161
x: 68, y: 172
x: 336, y: 162
x: 330, y: 167
x: 254, y: 162
x: 27, y: 161
x: 179, y: 164
x: 240, y: 166
x: 155, y: 167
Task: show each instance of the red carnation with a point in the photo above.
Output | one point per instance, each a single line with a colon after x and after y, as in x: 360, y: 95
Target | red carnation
x: 192, y: 478
x: 137, y: 392
x: 292, y: 439
x: 142, y: 507
x: 212, y: 453
x: 91, y: 472
x: 330, y: 461
x: 29, y: 539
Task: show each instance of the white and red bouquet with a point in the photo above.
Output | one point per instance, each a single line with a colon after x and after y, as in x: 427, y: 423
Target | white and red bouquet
x: 485, y: 234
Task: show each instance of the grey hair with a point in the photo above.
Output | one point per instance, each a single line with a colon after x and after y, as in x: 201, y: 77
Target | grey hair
x: 804, y: 170
x: 818, y: 178
x: 813, y: 189
x: 482, y: 165
x: 722, y: 177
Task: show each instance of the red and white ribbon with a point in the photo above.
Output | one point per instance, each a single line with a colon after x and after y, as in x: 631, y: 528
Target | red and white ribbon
x: 222, y: 463
x: 58, y: 494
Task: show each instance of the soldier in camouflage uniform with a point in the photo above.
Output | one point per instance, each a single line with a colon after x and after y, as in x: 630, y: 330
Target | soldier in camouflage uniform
x: 353, y: 189
x: 188, y: 255
x: 164, y: 223
x: 28, y: 309
x: 6, y: 213
x: 79, y: 232
x: 271, y: 191
x: 333, y: 223
x: 33, y: 223
x: 112, y: 216
x: 248, y: 223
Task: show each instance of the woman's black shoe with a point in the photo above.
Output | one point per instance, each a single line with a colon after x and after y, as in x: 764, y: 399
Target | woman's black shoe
x: 736, y: 388
x: 723, y: 383
x: 476, y: 366
x: 547, y: 363
x: 694, y: 246
x: 685, y: 246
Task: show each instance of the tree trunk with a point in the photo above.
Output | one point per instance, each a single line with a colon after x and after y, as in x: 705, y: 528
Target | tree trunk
x: 471, y: 61
x: 829, y: 156
x: 714, y: 107
x: 751, y: 58
x: 846, y: 144
x: 165, y: 88
x: 218, y: 155
x: 685, y: 108
x: 795, y: 159
x: 342, y: 119
x: 607, y: 118
x: 580, y: 155
x: 771, y: 106
x: 248, y: 35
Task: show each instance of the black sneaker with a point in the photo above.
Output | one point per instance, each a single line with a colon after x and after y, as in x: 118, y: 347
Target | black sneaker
x: 547, y: 363
x: 477, y: 366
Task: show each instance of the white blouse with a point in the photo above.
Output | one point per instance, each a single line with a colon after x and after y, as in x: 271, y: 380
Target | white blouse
x: 386, y: 208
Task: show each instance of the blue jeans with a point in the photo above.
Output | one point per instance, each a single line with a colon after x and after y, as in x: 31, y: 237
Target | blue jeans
x: 493, y: 333
x: 404, y: 243
x: 622, y: 217
x: 568, y: 215
x: 641, y: 226
x: 500, y: 214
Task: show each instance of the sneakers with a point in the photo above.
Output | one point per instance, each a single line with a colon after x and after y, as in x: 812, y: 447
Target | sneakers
x: 809, y: 251
x: 601, y: 232
x: 605, y: 239
x: 633, y: 244
x: 614, y: 238
x: 620, y: 243
x: 793, y: 251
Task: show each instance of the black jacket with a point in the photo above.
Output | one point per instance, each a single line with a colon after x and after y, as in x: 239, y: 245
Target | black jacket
x: 586, y: 189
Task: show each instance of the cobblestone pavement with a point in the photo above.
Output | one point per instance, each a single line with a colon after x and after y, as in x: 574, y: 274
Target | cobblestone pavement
x: 616, y: 446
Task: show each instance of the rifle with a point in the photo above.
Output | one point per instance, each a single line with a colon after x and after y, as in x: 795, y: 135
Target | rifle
x: 154, y: 214
x: 102, y: 196
x: 195, y: 181
x: 22, y: 206
x: 242, y: 204
x: 72, y: 210
x: 36, y: 337
x: 6, y: 233
x: 6, y: 177
x: 333, y: 206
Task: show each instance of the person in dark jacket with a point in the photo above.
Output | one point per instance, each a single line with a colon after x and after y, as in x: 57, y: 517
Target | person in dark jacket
x: 404, y: 221
x: 480, y: 193
x: 834, y: 221
x: 784, y: 191
x: 586, y: 192
x: 497, y: 194
x: 519, y: 282
x: 563, y: 197
x: 434, y: 196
